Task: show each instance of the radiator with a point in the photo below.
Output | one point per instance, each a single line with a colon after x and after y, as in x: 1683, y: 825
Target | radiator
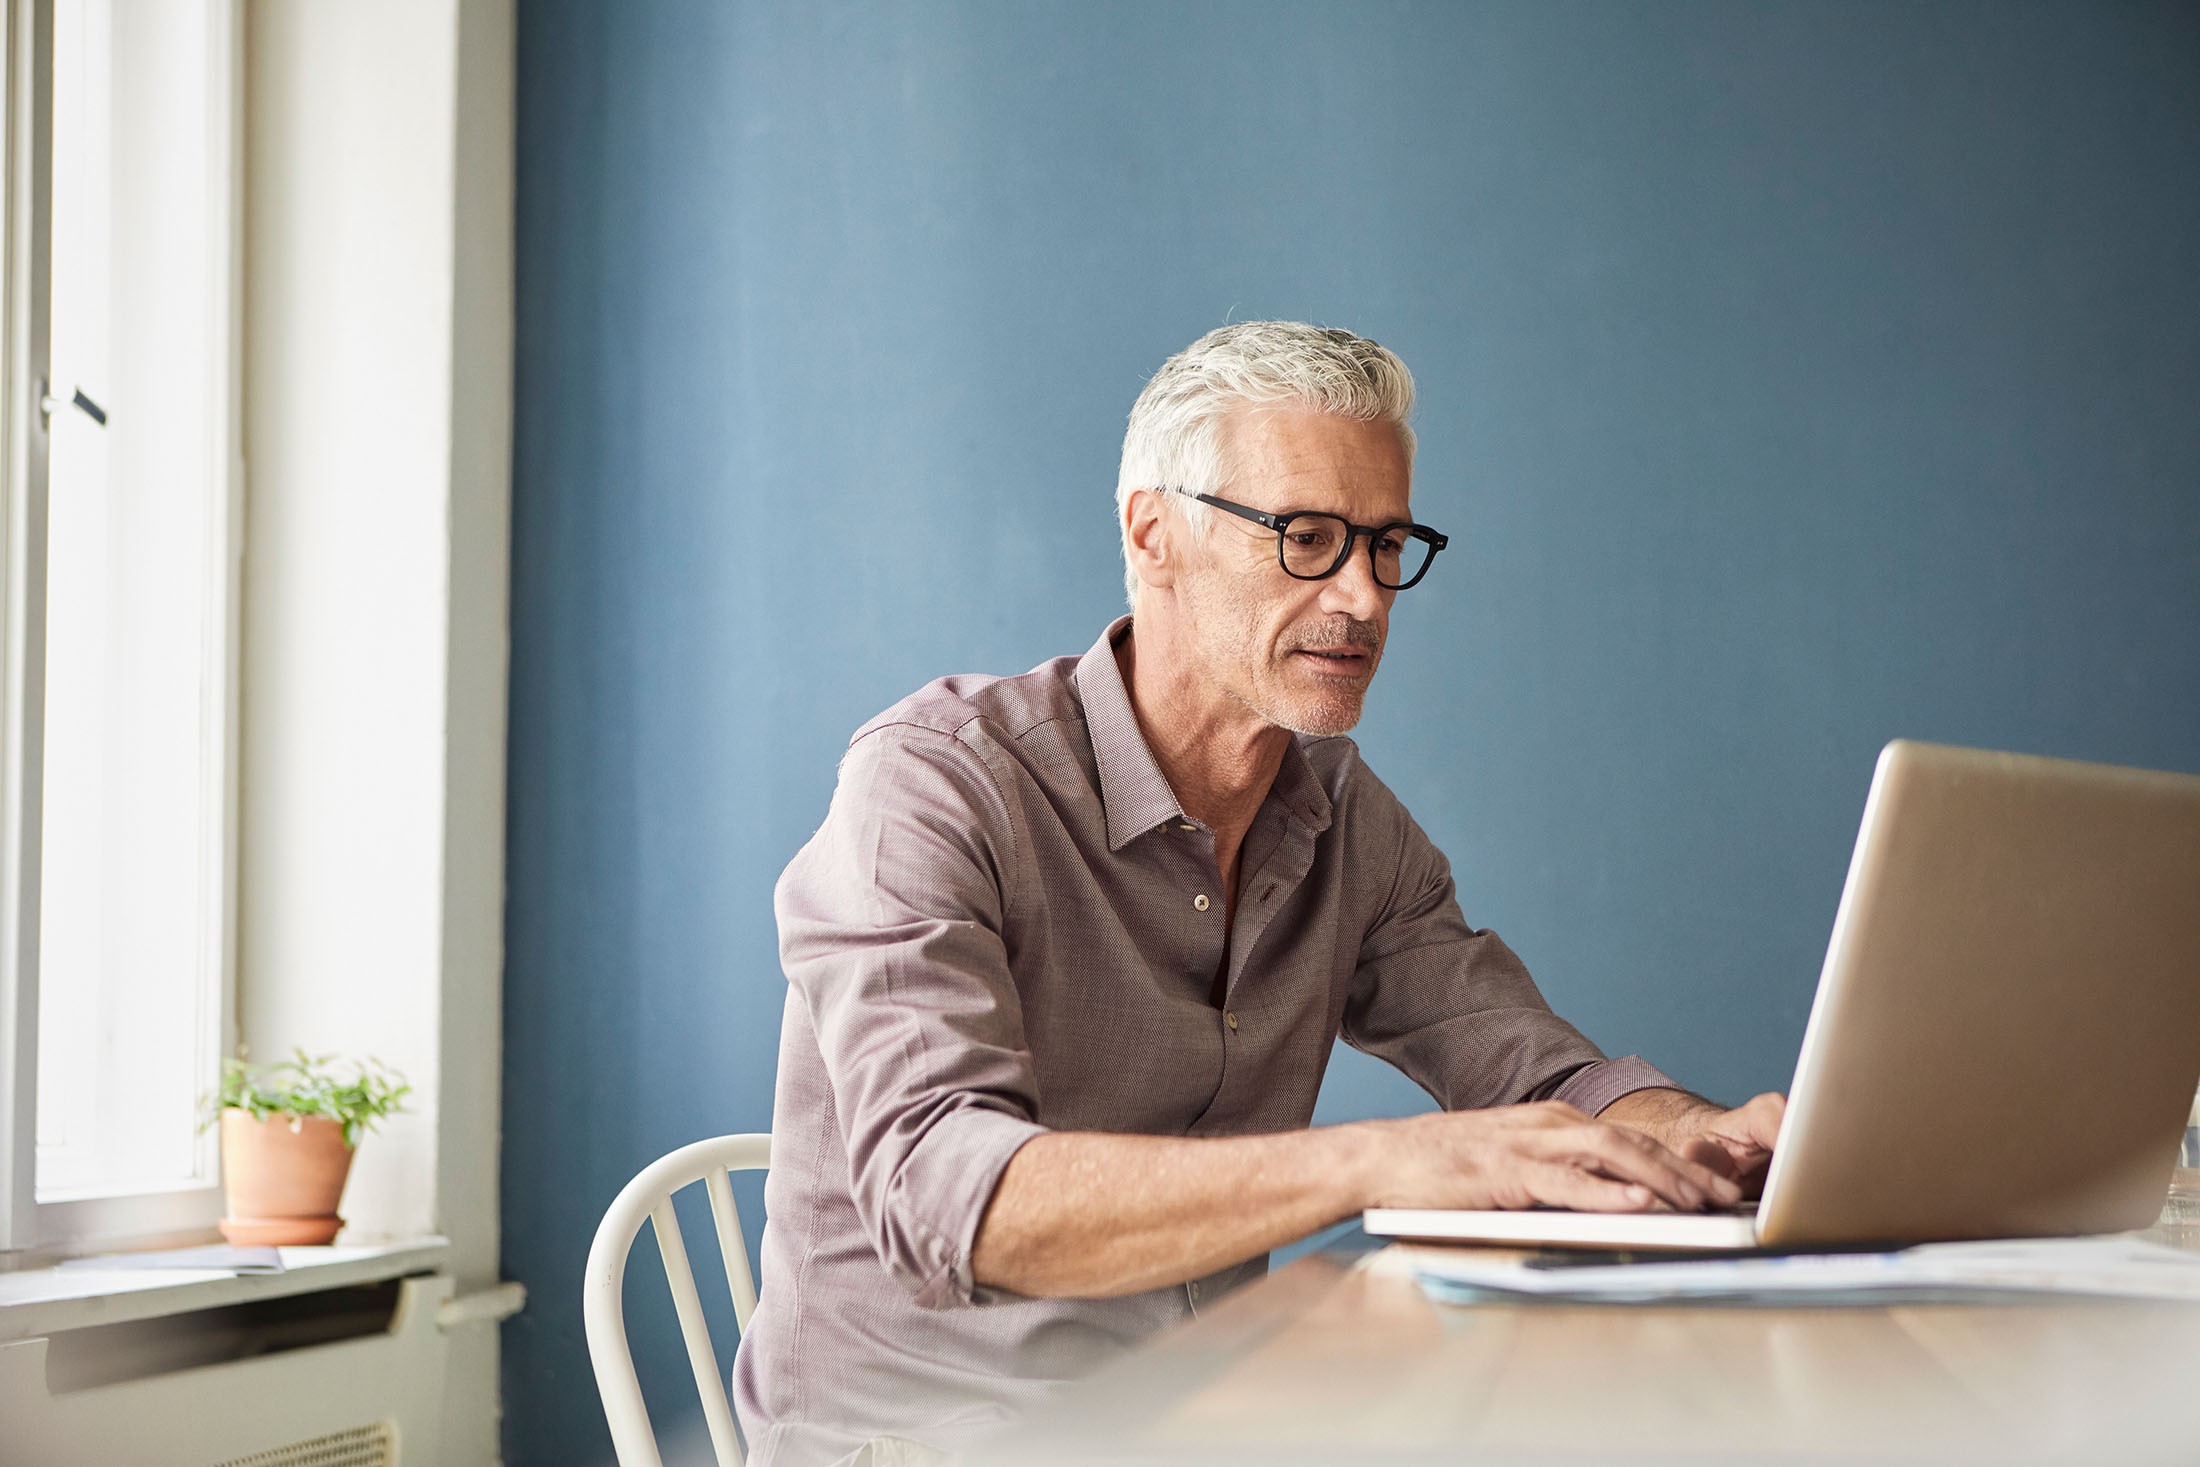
x: 351, y: 1378
x: 366, y: 1446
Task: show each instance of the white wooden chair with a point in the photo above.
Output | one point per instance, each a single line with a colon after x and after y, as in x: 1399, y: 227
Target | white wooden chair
x: 649, y: 1196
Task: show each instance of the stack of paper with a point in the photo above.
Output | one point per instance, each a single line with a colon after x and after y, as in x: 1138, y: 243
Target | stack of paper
x: 217, y: 1257
x: 2118, y: 1266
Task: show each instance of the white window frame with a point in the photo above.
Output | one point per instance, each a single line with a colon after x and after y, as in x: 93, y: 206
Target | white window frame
x: 31, y: 1230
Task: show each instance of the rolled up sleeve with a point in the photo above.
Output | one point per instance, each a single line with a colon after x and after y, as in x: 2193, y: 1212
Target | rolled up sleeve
x: 1593, y: 1087
x: 1454, y: 1008
x: 891, y: 924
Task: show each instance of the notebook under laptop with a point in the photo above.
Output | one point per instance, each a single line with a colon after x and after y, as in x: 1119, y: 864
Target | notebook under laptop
x: 2006, y: 1036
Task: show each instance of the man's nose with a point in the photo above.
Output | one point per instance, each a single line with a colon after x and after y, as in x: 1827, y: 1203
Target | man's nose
x: 1352, y: 590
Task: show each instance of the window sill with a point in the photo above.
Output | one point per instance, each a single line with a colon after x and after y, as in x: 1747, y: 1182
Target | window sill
x: 46, y: 1301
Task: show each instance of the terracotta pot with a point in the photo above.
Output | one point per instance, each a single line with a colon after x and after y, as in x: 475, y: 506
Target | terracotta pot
x: 283, y: 1185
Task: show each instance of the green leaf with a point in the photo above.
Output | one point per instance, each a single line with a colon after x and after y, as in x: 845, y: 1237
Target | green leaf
x: 310, y: 1085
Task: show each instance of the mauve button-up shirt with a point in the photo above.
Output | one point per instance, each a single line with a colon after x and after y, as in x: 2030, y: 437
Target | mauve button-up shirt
x: 1008, y: 925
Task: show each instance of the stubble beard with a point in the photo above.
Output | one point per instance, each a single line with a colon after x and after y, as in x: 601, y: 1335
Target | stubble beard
x: 1270, y: 695
x: 1318, y: 715
x: 1343, y: 721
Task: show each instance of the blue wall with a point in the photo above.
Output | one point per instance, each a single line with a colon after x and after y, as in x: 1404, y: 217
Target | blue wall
x: 1794, y: 376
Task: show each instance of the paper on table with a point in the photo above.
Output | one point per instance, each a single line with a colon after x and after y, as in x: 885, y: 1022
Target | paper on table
x: 220, y: 1257
x: 2114, y: 1265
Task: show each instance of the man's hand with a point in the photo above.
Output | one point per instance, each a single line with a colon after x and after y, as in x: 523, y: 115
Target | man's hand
x: 1734, y: 1143
x: 1549, y: 1153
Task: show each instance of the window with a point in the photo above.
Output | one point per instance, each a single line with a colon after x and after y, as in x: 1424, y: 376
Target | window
x: 119, y: 654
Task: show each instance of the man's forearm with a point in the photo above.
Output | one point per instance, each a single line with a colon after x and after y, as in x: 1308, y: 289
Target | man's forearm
x: 1091, y: 1215
x: 1666, y: 1114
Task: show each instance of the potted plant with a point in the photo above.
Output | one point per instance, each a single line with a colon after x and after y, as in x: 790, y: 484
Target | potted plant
x: 288, y: 1133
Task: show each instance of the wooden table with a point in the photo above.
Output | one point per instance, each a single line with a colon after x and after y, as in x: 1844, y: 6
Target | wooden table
x: 1335, y: 1359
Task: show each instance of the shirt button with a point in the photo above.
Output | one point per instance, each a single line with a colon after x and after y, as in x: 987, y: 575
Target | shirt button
x: 1199, y: 903
x: 1230, y: 1018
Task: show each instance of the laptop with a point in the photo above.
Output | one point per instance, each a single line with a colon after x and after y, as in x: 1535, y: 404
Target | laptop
x: 2006, y: 1036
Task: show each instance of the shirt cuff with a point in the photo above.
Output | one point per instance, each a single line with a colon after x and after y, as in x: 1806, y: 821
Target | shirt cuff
x: 1594, y: 1086
x: 979, y: 1144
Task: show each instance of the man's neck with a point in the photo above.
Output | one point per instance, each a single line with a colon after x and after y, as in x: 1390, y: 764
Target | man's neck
x: 1220, y: 758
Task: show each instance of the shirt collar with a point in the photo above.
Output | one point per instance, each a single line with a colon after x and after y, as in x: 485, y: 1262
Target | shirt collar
x: 1134, y: 793
x: 1300, y: 789
x: 1133, y: 790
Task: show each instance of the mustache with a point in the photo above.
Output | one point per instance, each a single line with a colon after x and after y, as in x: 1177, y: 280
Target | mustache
x: 1344, y: 632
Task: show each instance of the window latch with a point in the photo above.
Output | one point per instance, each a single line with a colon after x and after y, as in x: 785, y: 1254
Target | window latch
x: 48, y: 405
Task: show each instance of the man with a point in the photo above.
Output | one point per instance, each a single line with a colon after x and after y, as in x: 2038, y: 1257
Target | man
x: 1068, y: 956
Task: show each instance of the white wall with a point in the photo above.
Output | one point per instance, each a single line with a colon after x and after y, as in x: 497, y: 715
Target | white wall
x: 377, y: 433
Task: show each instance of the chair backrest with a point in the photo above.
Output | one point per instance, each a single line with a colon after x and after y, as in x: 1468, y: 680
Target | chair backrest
x: 649, y: 1196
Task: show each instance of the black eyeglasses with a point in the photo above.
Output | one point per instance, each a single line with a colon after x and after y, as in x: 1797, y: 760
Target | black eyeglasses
x: 1312, y: 545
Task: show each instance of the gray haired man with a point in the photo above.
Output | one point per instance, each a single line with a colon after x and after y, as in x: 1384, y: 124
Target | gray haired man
x: 1068, y: 956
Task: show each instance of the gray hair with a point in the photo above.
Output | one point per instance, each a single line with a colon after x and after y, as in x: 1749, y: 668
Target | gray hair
x: 1173, y: 440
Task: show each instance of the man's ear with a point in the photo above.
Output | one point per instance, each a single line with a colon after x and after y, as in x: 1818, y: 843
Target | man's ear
x: 1149, y: 539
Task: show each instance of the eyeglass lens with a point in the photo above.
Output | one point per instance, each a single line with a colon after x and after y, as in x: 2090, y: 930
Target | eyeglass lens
x: 1314, y: 545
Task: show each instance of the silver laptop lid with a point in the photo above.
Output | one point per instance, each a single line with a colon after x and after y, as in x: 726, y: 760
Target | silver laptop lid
x: 2006, y: 1036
